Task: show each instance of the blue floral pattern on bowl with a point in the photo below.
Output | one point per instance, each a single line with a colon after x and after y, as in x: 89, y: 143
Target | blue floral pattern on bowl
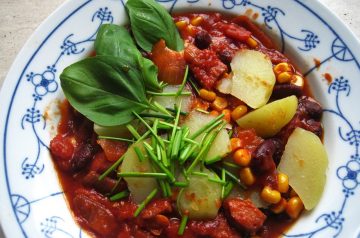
x: 44, y: 86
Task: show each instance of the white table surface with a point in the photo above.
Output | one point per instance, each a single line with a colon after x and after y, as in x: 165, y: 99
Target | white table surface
x: 18, y: 19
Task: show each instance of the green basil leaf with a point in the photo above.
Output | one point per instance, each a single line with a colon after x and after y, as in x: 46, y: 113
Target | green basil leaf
x: 105, y: 89
x: 150, y: 22
x: 114, y: 40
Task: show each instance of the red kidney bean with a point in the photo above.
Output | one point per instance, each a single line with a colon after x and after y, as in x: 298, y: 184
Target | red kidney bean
x: 285, y: 90
x: 262, y: 158
x: 309, y: 106
x: 202, y: 40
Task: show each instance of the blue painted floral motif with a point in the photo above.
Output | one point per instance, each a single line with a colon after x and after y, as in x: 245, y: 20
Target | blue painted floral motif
x: 45, y: 83
x: 52, y: 225
x: 349, y: 174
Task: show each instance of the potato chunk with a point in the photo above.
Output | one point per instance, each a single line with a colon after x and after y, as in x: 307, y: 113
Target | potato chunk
x: 305, y: 162
x: 269, y: 119
x: 139, y: 187
x: 253, y: 79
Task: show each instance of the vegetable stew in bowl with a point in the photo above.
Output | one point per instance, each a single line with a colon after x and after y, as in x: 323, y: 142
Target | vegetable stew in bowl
x: 191, y: 125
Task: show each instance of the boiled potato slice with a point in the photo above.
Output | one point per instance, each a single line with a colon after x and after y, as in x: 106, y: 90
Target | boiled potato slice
x: 269, y: 119
x: 201, y: 199
x: 253, y: 79
x: 169, y: 101
x: 221, y: 145
x: 139, y: 188
x: 305, y: 162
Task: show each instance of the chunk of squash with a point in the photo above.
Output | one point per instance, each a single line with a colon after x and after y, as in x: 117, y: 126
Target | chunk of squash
x: 201, y: 199
x: 269, y: 119
x: 139, y: 188
x: 305, y: 162
x: 253, y: 79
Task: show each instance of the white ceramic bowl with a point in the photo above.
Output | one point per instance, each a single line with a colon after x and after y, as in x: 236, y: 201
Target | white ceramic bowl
x: 31, y: 200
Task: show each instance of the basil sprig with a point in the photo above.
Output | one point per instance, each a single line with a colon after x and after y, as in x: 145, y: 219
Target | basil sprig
x: 116, y: 41
x: 105, y: 89
x: 150, y: 22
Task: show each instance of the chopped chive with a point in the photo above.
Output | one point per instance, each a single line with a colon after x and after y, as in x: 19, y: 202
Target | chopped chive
x: 217, y: 181
x: 150, y: 129
x: 168, y: 188
x: 163, y: 188
x: 213, y: 160
x: 133, y: 131
x: 188, y: 153
x: 153, y: 138
x: 160, y: 108
x: 181, y: 88
x: 201, y: 110
x: 116, y: 138
x: 111, y: 168
x: 190, y: 141
x: 231, y: 165
x: 156, y: 115
x: 164, y: 157
x: 208, y: 126
x: 235, y: 179
x: 157, y: 162
x: 169, y: 125
x: 146, y: 134
x: 174, y: 111
x: 173, y: 132
x: 193, y: 85
x: 182, y: 226
x: 230, y: 133
x: 143, y: 204
x: 120, y: 195
x: 200, y: 174
x: 139, y: 154
x: 169, y: 94
x: 223, y: 178
x: 181, y: 184
x: 176, y: 144
x: 204, y: 150
x: 228, y: 188
x: 142, y: 174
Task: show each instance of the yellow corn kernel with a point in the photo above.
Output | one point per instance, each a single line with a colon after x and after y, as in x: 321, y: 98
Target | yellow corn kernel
x: 191, y: 30
x: 227, y: 115
x: 293, y: 193
x: 247, y: 177
x: 297, y: 80
x: 207, y: 95
x: 284, y: 77
x: 294, y: 207
x: 181, y: 24
x: 282, y: 67
x: 238, y: 112
x: 270, y: 195
x: 196, y: 21
x: 235, y: 144
x: 251, y: 42
x: 283, y: 183
x: 219, y: 104
x: 279, y: 207
x: 214, y: 113
x: 242, y: 157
